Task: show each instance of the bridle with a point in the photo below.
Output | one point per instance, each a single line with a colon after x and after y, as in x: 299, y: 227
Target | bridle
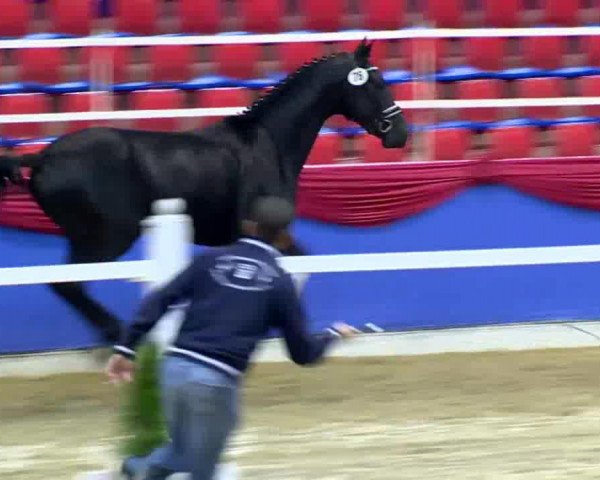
x: 384, y: 123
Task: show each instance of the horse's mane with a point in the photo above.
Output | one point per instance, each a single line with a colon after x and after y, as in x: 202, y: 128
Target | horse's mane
x: 283, y: 87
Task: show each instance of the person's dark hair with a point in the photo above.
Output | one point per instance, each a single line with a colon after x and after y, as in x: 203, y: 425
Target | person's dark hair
x: 272, y: 216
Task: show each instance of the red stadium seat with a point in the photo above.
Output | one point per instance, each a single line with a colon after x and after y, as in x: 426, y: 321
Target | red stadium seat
x: 382, y: 53
x: 15, y: 17
x: 479, y: 89
x: 156, y: 100
x: 592, y: 46
x: 115, y: 60
x: 486, y: 53
x: 445, y: 13
x: 136, y: 16
x: 326, y: 150
x: 83, y: 102
x: 344, y: 46
x: 219, y: 98
x: 384, y: 14
x: 413, y: 91
x: 71, y: 17
x: 23, y: 104
x: 438, y: 47
x: 511, y: 142
x: 293, y: 55
x: 171, y: 62
x: 238, y: 61
x: 590, y: 87
x: 539, y: 88
x: 575, y: 140
x: 449, y: 143
x: 502, y: 13
x: 373, y: 151
x: 200, y: 16
x: 262, y: 15
x: 40, y: 64
x: 323, y: 16
x: 543, y: 52
x: 222, y: 97
x: 561, y: 12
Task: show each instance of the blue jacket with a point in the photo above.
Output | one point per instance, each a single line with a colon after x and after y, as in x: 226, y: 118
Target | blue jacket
x: 236, y: 294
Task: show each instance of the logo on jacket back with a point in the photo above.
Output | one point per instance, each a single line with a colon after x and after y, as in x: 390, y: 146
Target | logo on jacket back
x: 243, y: 273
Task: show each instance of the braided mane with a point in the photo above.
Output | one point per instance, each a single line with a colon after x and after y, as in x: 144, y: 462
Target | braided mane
x: 284, y: 85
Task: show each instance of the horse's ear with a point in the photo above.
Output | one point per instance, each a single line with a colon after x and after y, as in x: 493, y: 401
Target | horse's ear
x: 363, y: 52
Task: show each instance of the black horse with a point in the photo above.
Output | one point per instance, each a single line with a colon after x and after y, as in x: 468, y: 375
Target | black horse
x: 98, y: 184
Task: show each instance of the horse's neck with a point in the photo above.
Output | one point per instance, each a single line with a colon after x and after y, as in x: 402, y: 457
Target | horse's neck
x: 296, y: 121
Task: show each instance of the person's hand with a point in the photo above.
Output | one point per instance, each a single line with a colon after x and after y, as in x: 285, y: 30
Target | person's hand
x: 119, y: 369
x: 345, y: 330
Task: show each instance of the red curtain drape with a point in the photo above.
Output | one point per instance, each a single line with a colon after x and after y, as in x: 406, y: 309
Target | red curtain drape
x: 378, y: 194
x: 366, y: 195
x: 18, y: 209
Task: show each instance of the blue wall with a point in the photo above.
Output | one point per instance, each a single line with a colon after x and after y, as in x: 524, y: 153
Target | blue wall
x: 483, y: 217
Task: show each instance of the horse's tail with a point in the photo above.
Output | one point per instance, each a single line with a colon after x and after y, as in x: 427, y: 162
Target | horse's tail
x: 10, y: 167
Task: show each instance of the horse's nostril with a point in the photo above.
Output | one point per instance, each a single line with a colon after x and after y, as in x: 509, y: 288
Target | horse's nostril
x: 385, y: 126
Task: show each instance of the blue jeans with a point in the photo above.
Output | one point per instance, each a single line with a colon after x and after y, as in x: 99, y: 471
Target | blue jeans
x: 201, y: 410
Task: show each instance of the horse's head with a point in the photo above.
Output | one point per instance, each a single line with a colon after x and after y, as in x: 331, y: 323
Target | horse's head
x: 367, y: 100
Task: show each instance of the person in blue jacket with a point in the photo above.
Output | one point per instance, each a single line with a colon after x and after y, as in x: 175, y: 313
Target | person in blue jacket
x: 235, y: 295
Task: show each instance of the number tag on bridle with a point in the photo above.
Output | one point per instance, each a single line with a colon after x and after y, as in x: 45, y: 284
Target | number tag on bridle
x: 358, y: 77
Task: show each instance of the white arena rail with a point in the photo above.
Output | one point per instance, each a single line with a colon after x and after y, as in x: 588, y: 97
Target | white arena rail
x: 495, y: 257
x: 140, y: 270
x: 224, y: 111
x: 145, y: 270
x: 294, y: 37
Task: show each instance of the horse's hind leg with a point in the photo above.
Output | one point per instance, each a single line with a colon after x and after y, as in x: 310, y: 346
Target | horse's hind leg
x: 105, y: 322
x: 93, y: 238
x: 74, y: 293
x: 96, y: 244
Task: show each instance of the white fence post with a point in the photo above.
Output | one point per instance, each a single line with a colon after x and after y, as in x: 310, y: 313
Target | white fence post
x: 168, y: 243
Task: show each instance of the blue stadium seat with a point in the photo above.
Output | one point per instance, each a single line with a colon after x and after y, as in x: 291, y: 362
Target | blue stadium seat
x: 397, y: 76
x: 209, y: 81
x: 67, y: 87
x: 513, y: 122
x: 12, y: 88
x: 260, y: 83
x: 461, y: 73
x: 520, y: 73
x: 574, y: 72
x: 569, y: 120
